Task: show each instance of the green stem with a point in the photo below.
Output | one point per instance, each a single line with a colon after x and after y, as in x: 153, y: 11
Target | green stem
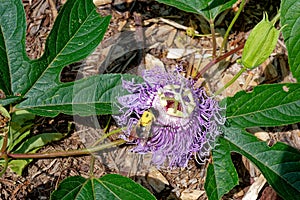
x: 213, y: 37
x: 231, y: 25
x: 107, y: 125
x: 107, y: 135
x: 231, y: 81
x: 276, y: 18
x: 79, y: 152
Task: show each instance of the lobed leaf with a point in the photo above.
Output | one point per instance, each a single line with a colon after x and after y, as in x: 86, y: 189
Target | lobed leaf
x: 110, y: 186
x: 209, y: 9
x: 279, y: 164
x: 221, y: 175
x: 91, y: 95
x: 289, y: 18
x: 77, y: 31
x: 265, y: 106
x: 14, y: 61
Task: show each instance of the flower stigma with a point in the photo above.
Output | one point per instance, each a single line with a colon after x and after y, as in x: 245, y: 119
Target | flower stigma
x: 170, y: 118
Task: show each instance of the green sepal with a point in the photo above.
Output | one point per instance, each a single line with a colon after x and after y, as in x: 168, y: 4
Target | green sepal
x: 260, y: 43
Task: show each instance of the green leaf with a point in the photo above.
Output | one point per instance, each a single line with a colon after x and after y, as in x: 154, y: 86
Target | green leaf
x: 260, y: 43
x: 209, y: 9
x: 279, y: 164
x: 9, y: 100
x: 289, y: 18
x: 265, y: 106
x: 18, y: 166
x: 31, y: 145
x: 16, y: 140
x: 69, y: 188
x: 13, y: 58
x: 221, y: 176
x: 110, y: 186
x: 88, y: 96
x: 4, y: 115
x: 77, y: 31
x: 38, y: 141
x: 20, y: 125
x: 19, y: 128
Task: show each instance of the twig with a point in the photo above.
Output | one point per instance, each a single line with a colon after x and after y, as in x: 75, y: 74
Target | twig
x: 175, y: 24
x: 79, y: 152
x: 216, y: 60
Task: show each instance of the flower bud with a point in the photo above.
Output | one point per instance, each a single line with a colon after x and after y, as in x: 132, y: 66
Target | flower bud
x: 260, y: 43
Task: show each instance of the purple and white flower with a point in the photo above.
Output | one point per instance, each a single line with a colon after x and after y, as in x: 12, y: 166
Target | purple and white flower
x: 180, y: 121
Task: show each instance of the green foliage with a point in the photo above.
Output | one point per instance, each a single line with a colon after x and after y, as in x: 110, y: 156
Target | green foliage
x: 260, y: 43
x: 110, y: 186
x: 89, y: 96
x: 290, y: 20
x: 221, y: 176
x: 207, y: 8
x: 279, y: 164
x: 265, y: 106
x: 20, y: 139
x: 31, y: 145
x: 34, y: 85
x: 76, y: 32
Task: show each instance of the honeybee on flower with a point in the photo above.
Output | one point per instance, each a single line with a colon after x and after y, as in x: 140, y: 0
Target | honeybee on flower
x: 180, y: 120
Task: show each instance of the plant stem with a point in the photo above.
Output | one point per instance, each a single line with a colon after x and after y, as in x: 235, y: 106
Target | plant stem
x: 5, y: 165
x: 107, y: 125
x: 92, y: 164
x: 4, y: 155
x: 231, y: 81
x: 213, y: 37
x: 231, y: 25
x: 276, y: 18
x: 79, y: 152
x: 107, y: 135
x: 5, y: 140
x: 216, y: 60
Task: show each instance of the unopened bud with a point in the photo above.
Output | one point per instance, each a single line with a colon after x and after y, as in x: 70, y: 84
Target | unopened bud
x: 260, y: 43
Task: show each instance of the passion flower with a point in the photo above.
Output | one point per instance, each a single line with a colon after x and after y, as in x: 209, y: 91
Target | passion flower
x: 170, y: 118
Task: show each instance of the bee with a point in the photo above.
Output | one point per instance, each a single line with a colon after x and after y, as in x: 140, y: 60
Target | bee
x: 143, y: 127
x: 147, y: 118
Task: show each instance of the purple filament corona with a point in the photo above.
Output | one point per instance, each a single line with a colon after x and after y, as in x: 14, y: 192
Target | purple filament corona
x: 170, y: 118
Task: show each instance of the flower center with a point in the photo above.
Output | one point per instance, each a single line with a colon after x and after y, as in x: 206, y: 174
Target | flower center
x: 177, y: 100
